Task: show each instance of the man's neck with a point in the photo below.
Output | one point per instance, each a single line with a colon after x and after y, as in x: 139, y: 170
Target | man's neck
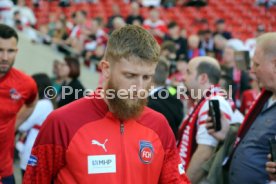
x: 274, y: 96
x: 202, y: 92
x: 175, y: 37
x: 229, y: 65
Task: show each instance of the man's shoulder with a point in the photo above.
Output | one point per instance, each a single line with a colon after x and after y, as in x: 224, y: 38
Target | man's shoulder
x: 159, y: 124
x: 20, y: 76
x: 82, y: 108
x: 150, y: 114
x: 61, y: 125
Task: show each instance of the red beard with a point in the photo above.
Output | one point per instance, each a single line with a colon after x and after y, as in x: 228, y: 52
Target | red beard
x: 124, y: 109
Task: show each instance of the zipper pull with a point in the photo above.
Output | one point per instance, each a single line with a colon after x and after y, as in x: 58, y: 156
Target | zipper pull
x: 122, y: 128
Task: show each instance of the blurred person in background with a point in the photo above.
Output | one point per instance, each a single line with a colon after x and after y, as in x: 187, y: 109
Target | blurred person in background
x: 193, y: 47
x: 79, y: 32
x: 118, y: 22
x: 25, y: 12
x: 31, y: 126
x: 249, y: 96
x: 240, y: 78
x: 180, y: 42
x: 162, y: 100
x: 95, y: 44
x: 219, y: 44
x: 134, y: 16
x: 250, y: 43
x: 18, y: 96
x: 207, y: 42
x: 151, y: 3
x: 21, y: 24
x: 221, y: 29
x: 57, y: 78
x: 116, y: 12
x: 71, y: 88
x: 6, y: 13
x: 168, y: 51
x: 155, y: 25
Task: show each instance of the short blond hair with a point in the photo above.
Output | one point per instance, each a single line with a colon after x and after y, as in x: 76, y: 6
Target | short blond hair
x: 131, y: 41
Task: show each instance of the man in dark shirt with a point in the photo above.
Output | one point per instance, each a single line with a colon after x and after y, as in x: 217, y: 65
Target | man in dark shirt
x: 134, y: 17
x: 163, y: 101
x: 181, y: 43
x: 220, y: 29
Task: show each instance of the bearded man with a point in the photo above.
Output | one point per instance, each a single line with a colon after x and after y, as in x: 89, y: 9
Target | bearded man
x: 111, y: 137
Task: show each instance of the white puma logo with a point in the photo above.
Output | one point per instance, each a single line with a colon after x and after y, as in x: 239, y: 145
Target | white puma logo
x: 99, y: 144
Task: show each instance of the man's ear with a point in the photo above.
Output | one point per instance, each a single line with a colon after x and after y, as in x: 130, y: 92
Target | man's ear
x: 274, y: 65
x: 105, y: 67
x: 203, y: 78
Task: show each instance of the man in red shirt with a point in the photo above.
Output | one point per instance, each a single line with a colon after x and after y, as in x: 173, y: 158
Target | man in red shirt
x: 111, y: 137
x: 18, y: 96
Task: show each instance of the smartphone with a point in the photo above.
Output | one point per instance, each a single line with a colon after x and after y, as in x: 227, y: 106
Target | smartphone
x: 272, y: 143
x: 242, y: 59
x: 214, y: 113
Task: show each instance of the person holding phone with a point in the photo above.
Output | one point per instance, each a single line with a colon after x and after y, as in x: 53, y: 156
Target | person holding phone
x: 247, y: 161
x: 196, y: 145
x: 270, y: 167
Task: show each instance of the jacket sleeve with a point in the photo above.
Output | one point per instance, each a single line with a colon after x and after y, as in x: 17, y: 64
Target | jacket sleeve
x: 172, y: 170
x: 48, y: 155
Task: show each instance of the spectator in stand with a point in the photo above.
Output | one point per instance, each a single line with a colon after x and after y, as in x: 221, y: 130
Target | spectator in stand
x: 95, y: 45
x: 240, y: 79
x: 6, y: 13
x: 155, y: 25
x: 193, y: 47
x: 219, y: 44
x: 79, y: 32
x: 52, y: 24
x: 32, y: 125
x: 57, y: 78
x: 207, y: 42
x: 180, y: 43
x: 183, y: 33
x: 250, y: 43
x: 60, y: 33
x: 178, y: 77
x: 25, y: 12
x: 116, y: 12
x: 168, y: 3
x: 21, y: 24
x: 150, y: 3
x: 249, y: 96
x: 134, y: 17
x: 71, y: 88
x: 118, y: 23
x: 168, y: 51
x: 220, y: 29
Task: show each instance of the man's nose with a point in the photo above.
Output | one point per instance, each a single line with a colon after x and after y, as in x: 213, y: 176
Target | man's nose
x: 4, y: 55
x: 252, y: 69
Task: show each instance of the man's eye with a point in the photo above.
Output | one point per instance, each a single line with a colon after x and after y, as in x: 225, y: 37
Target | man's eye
x: 146, y: 77
x: 129, y: 75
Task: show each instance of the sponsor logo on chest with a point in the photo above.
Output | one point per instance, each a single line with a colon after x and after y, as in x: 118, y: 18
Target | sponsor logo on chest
x: 99, y: 164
